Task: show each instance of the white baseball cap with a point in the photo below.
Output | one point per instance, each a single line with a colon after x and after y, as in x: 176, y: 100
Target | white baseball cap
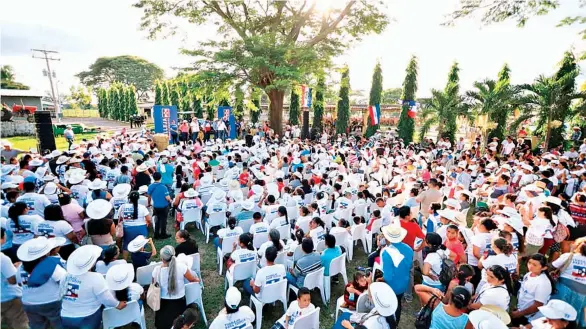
x: 233, y: 297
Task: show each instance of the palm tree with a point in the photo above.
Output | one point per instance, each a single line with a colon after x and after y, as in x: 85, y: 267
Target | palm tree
x: 497, y: 99
x: 546, y: 97
x: 444, y: 107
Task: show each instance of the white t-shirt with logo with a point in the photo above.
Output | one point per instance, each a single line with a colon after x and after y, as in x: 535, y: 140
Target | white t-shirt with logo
x: 494, y: 295
x: 508, y: 262
x: 317, y: 234
x: 576, y: 270
x: 294, y: 313
x: 81, y: 297
x: 269, y: 275
x: 35, y: 202
x: 229, y: 233
x: 278, y: 222
x: 238, y: 320
x: 54, y: 229
x: 46, y: 293
x: 126, y: 212
x: 27, y: 228
x: 261, y: 227
x: 434, y: 259
x: 243, y: 256
x: 79, y: 192
x: 482, y: 241
x: 7, y: 270
x: 534, y: 289
x: 263, y: 248
x: 116, y: 203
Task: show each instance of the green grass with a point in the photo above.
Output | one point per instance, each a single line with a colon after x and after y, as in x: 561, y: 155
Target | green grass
x: 28, y: 142
x: 213, y: 293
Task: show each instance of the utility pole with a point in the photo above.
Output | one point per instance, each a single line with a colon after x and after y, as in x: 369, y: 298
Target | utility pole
x: 45, y: 55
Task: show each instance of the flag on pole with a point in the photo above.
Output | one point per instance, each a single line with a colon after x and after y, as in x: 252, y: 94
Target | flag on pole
x: 412, y: 109
x: 374, y: 111
x: 303, y: 96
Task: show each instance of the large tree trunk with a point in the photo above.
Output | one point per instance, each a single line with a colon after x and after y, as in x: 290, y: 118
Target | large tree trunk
x: 276, y: 110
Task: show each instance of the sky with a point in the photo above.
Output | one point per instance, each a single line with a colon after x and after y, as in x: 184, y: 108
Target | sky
x: 83, y: 30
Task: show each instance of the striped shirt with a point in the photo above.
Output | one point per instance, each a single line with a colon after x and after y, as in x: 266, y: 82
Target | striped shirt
x: 578, y: 213
x: 305, y: 265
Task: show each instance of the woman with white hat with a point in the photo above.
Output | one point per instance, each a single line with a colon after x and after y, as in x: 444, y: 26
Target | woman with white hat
x: 55, y: 225
x: 51, y: 191
x: 170, y: 276
x: 135, y: 218
x: 382, y: 316
x: 101, y: 227
x: 98, y: 190
x: 119, y: 196
x: 557, y: 314
x: 76, y: 184
x: 40, y: 275
x: 119, y: 280
x: 233, y: 315
x: 85, y: 291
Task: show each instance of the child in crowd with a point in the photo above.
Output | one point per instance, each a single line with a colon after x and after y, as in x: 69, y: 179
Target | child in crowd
x: 300, y: 307
x: 139, y: 256
x: 186, y: 320
x: 454, y: 245
x: 354, y: 289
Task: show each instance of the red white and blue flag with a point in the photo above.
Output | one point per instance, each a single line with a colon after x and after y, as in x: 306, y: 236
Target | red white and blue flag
x: 374, y: 111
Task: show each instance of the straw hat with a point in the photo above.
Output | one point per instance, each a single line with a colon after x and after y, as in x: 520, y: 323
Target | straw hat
x: 248, y: 204
x: 206, y: 180
x: 384, y: 298
x: 394, y: 234
x: 121, y: 190
x: 483, y: 319
x: 499, y: 312
x: 142, y: 168
x: 35, y: 248
x: 98, y: 209
x: 554, y: 200
x: 77, y: 177
x: 83, y: 258
x: 36, y: 162
x: 447, y: 214
x: 120, y: 276
x: 137, y: 243
x: 97, y: 184
x: 219, y: 195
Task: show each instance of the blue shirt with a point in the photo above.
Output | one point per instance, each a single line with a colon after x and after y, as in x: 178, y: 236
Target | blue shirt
x: 173, y: 128
x: 159, y: 194
x: 140, y: 258
x: 167, y: 176
x: 398, y: 276
x: 327, y: 256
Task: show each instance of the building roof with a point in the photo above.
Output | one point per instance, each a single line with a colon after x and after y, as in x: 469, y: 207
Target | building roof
x: 20, y: 93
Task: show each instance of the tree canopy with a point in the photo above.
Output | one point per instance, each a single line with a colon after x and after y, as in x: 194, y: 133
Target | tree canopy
x: 80, y: 97
x: 126, y: 69
x: 406, y: 125
x: 269, y: 44
x: 7, y: 81
x: 375, y: 97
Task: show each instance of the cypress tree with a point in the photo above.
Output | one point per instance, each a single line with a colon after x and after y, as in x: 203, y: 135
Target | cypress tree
x: 406, y: 124
x: 197, y: 108
x: 174, y: 94
x: 133, y: 108
x: 318, y: 104
x: 376, y: 91
x: 452, y: 90
x: 165, y: 99
x: 158, y: 93
x: 294, y: 106
x: 343, y: 117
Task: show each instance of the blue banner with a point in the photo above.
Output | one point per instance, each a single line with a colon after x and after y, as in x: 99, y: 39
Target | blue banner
x: 164, y: 116
x: 225, y: 113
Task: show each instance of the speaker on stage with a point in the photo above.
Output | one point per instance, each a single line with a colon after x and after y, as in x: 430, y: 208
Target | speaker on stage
x: 305, y: 127
x: 248, y: 139
x: 44, y: 130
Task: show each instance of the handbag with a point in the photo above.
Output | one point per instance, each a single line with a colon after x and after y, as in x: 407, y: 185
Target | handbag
x: 120, y: 228
x: 154, y: 294
x: 423, y: 320
x: 560, y: 233
x: 556, y: 273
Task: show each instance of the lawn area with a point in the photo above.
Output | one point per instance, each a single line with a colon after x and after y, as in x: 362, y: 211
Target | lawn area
x: 27, y: 142
x: 213, y: 293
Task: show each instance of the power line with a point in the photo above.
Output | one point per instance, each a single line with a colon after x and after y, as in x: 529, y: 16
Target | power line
x: 47, y: 57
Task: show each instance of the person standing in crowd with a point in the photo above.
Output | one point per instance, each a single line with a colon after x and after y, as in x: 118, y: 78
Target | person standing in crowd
x: 194, y: 126
x: 174, y: 132
x: 13, y: 313
x: 69, y: 136
x: 160, y: 199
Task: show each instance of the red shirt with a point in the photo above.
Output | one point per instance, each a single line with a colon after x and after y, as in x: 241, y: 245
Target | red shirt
x: 457, y: 248
x: 413, y: 231
x: 243, y: 178
x: 280, y: 186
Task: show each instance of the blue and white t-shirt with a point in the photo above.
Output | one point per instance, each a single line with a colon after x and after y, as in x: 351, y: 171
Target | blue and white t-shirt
x: 81, y: 295
x: 26, y: 229
x: 54, y: 229
x: 238, y: 320
x: 294, y: 313
x: 126, y: 213
x: 35, y: 202
x: 46, y: 293
x: 269, y: 275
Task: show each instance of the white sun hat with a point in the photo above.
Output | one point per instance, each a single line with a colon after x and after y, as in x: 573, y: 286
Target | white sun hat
x: 137, y: 243
x: 219, y: 195
x: 35, y: 248
x: 50, y: 188
x: 191, y: 193
x: 557, y: 309
x: 8, y: 185
x: 257, y: 189
x: 143, y: 189
x: 233, y: 298
x: 384, y: 298
x: 248, y: 204
x: 62, y: 159
x: 36, y: 162
x: 206, y: 180
x: 77, y: 177
x: 58, y: 241
x: 98, y: 209
x: 97, y: 184
x: 453, y: 203
x: 120, y: 276
x: 83, y: 259
x: 554, y: 200
x: 481, y: 319
x: 447, y: 214
x: 394, y: 234
x: 141, y: 168
x: 233, y: 185
x: 121, y: 190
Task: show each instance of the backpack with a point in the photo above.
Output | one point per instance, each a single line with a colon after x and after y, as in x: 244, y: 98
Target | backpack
x: 423, y: 319
x: 448, y: 271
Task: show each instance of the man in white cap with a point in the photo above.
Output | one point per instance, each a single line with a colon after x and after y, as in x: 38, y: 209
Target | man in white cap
x: 233, y: 315
x: 8, y: 152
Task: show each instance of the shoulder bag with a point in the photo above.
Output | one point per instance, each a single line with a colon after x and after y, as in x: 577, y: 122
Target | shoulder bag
x: 154, y: 294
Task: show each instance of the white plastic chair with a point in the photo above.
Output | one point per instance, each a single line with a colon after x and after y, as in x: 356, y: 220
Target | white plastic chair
x: 215, y: 219
x: 344, y: 239
x: 340, y: 301
x: 308, y: 198
x: 359, y: 233
x: 361, y: 210
x: 205, y: 198
x: 304, y: 226
x: 269, y: 294
x: 113, y: 317
x: 193, y: 295
x: 245, y: 224
x: 328, y: 218
x: 377, y: 266
x: 144, y: 274
x: 258, y: 239
x: 338, y: 265
x: 293, y: 212
x: 321, y: 246
x: 268, y: 218
x: 284, y: 231
x: 240, y: 272
x: 369, y: 234
x: 281, y: 258
x: 224, y: 249
x: 308, y: 321
x: 196, y: 267
x: 192, y: 216
x: 313, y: 280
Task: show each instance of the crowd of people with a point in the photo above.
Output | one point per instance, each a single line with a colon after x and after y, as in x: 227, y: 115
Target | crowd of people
x: 489, y: 237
